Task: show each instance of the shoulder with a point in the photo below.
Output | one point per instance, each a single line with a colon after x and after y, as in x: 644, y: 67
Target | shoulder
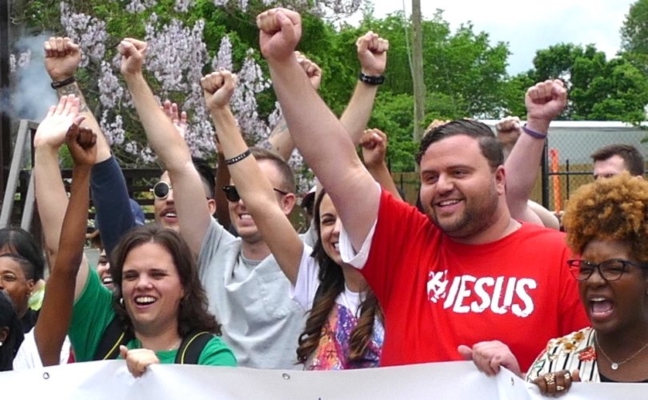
x: 575, y: 342
x: 217, y: 353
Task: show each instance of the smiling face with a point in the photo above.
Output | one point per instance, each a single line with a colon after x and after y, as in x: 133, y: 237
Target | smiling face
x: 103, y: 269
x: 165, y: 212
x: 14, y: 282
x: 239, y: 215
x: 329, y: 227
x: 460, y: 192
x: 614, y: 306
x: 151, y: 288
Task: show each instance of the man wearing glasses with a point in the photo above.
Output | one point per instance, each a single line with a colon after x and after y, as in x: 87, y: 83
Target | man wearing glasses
x: 248, y: 292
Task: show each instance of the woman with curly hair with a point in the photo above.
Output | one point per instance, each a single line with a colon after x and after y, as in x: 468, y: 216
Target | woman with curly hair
x: 344, y: 326
x: 607, y: 224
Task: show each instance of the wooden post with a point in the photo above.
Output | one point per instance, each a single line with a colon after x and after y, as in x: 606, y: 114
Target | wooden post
x: 417, y: 70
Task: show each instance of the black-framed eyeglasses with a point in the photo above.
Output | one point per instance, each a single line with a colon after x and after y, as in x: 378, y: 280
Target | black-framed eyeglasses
x: 233, y: 196
x: 161, y: 190
x: 610, y: 270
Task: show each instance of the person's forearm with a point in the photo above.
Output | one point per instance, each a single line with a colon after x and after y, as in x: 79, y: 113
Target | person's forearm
x: 522, y: 167
x: 56, y: 313
x: 103, y: 149
x: 357, y: 113
x: 251, y: 186
x: 281, y: 141
x: 321, y: 138
x: 160, y: 132
x: 51, y: 198
x: 382, y: 175
x: 111, y: 201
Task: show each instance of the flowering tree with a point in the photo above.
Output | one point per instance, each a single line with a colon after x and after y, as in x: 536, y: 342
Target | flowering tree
x: 181, y: 44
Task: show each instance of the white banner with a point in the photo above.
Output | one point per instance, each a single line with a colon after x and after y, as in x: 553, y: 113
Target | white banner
x: 111, y: 380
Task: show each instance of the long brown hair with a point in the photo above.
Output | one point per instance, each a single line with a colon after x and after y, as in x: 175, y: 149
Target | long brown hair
x: 193, y: 314
x: 331, y: 285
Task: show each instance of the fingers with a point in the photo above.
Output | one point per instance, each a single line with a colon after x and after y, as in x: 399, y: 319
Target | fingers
x: 508, y: 124
x: 123, y: 351
x: 313, y: 71
x: 556, y: 383
x: 465, y: 352
x: 60, y: 47
x: 372, y: 42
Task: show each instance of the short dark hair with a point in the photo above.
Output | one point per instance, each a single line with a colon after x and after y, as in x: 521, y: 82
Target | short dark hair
x: 9, y: 319
x: 206, y: 174
x: 26, y: 265
x: 287, y: 174
x: 632, y: 158
x: 19, y: 241
x: 488, y: 143
x: 193, y: 313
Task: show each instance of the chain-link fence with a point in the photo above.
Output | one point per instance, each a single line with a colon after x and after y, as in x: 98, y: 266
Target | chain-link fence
x: 567, y: 163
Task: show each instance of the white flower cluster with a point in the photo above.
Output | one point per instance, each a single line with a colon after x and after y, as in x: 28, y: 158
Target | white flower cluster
x: 89, y: 32
x: 137, y: 6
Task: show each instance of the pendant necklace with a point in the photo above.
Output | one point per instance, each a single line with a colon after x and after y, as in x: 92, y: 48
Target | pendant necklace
x: 616, y: 365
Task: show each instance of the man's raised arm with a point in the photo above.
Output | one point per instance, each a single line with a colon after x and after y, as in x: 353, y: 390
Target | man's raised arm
x: 170, y: 147
x: 319, y: 136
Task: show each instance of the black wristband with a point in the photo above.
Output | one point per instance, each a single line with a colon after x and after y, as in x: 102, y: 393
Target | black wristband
x: 238, y: 158
x: 371, y: 80
x: 64, y: 82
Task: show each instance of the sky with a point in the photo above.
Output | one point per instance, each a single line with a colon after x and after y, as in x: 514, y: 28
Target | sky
x: 529, y: 25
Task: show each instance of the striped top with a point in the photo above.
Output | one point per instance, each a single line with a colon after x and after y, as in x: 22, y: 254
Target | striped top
x: 571, y: 352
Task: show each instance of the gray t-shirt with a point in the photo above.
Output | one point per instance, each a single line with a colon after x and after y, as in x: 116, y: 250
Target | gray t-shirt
x: 251, y: 301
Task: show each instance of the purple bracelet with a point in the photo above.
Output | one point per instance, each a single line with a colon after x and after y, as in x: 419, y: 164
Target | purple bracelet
x: 534, y: 134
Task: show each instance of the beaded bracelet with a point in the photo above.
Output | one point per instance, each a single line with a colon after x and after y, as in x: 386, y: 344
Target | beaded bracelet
x: 534, y: 134
x: 238, y: 158
x: 371, y: 80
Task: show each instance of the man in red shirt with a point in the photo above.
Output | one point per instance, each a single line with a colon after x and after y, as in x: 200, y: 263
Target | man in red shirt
x: 465, y: 273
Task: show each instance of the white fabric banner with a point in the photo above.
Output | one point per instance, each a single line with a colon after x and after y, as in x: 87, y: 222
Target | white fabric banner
x: 111, y: 380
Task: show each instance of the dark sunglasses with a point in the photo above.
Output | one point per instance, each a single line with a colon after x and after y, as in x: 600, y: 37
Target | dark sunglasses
x: 161, y: 190
x: 233, y: 195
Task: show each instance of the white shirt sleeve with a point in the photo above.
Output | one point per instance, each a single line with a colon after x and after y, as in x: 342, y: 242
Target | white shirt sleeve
x: 348, y: 253
x: 307, y: 280
x: 28, y: 357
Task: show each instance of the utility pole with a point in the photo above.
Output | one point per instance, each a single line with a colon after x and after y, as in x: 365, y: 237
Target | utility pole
x: 5, y: 121
x: 417, y: 70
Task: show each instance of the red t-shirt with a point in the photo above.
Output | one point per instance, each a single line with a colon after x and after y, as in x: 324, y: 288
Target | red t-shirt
x: 438, y: 294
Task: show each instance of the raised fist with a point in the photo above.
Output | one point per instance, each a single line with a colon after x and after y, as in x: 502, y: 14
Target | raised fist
x: 374, y: 147
x: 508, y: 130
x: 218, y: 88
x: 313, y: 71
x: 545, y: 100
x: 62, y: 58
x: 372, y: 53
x: 81, y: 143
x: 133, y: 52
x: 280, y: 30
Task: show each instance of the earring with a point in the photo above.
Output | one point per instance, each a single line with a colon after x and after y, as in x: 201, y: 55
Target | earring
x: 121, y: 301
x: 0, y: 344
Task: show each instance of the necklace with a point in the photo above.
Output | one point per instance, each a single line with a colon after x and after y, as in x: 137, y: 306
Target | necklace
x: 615, y: 365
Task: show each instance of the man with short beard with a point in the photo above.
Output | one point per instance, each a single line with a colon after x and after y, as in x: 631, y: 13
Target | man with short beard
x: 465, y: 273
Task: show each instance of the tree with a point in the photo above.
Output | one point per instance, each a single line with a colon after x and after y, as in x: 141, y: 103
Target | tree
x: 634, y: 34
x: 599, y: 89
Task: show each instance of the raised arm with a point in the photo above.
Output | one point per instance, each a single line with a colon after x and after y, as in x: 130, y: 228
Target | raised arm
x: 372, y: 53
x: 251, y: 183
x: 56, y: 312
x: 374, y: 151
x: 280, y: 140
x: 544, y: 102
x: 188, y: 192
x: 319, y: 136
x: 109, y: 190
x: 51, y: 198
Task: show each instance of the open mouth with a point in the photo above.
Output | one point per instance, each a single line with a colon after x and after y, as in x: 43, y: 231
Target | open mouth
x: 107, y: 280
x: 600, y: 308
x: 145, y: 300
